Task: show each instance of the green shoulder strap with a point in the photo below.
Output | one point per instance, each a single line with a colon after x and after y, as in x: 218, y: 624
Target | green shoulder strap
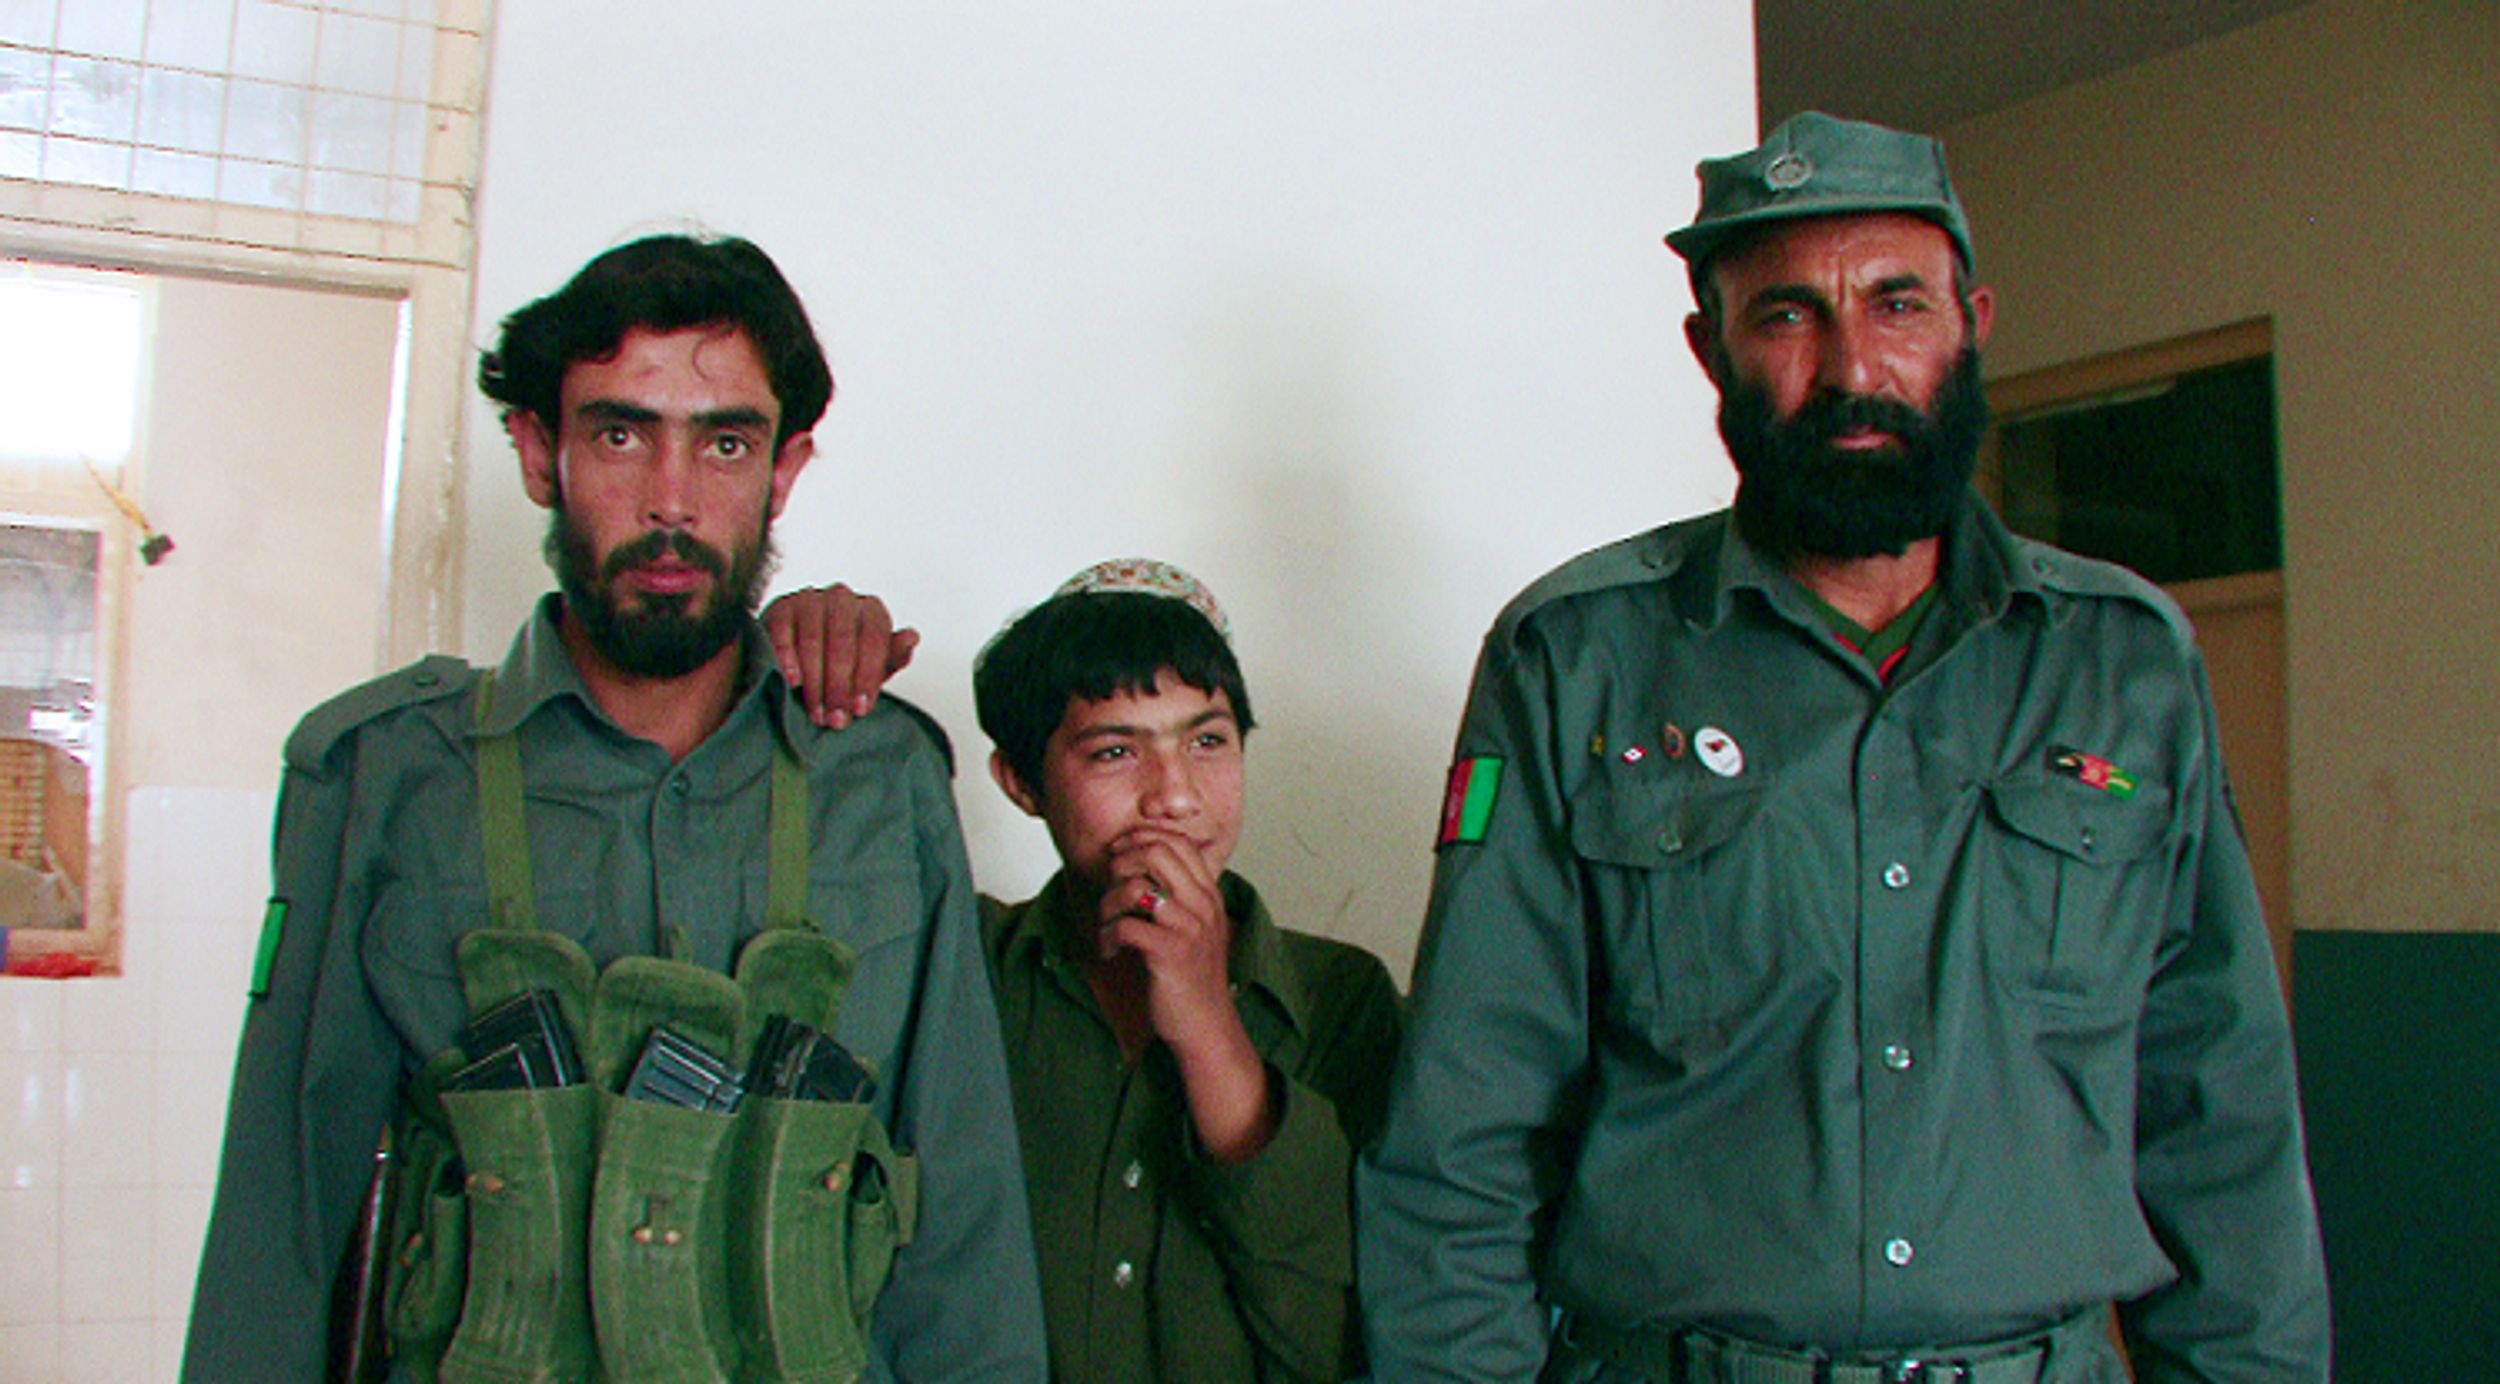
x: 785, y: 888
x: 510, y: 900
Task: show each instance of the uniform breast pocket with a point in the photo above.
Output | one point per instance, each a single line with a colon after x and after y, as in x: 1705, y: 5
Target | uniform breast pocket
x: 2082, y: 886
x: 1653, y: 858
x: 409, y: 948
x: 879, y: 915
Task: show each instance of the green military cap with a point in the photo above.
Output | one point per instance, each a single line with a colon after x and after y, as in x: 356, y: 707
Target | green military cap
x: 1819, y: 165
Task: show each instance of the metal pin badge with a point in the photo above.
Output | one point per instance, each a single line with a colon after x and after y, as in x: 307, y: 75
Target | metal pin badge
x: 1719, y: 752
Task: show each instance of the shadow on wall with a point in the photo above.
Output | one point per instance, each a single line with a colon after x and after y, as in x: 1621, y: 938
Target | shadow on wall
x: 1309, y: 541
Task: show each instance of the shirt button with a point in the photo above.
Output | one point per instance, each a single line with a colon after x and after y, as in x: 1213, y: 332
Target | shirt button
x: 1898, y: 1252
x: 1896, y: 876
x: 1897, y: 1057
x: 1123, y: 1273
x: 678, y: 786
x: 1132, y: 1175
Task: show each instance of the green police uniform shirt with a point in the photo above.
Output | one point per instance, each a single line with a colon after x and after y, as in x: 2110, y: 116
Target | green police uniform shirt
x: 1157, y: 1264
x: 379, y: 869
x: 1768, y: 998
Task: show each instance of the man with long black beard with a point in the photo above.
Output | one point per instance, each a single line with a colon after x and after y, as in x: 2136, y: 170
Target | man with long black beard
x: 1842, y: 962
x: 673, y: 1000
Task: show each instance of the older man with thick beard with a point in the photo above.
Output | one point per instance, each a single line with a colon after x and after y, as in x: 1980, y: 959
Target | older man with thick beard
x: 1842, y: 963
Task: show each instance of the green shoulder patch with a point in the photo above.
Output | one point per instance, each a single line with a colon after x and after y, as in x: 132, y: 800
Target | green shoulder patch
x: 272, y: 927
x: 1467, y: 805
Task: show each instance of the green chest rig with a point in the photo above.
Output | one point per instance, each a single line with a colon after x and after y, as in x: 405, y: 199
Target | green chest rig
x: 571, y: 1233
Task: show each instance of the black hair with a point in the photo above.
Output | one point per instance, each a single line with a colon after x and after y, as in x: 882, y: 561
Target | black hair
x: 662, y: 283
x: 1093, y: 645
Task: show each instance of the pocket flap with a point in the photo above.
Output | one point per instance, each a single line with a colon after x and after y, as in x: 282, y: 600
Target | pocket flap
x: 1649, y: 825
x: 2082, y: 823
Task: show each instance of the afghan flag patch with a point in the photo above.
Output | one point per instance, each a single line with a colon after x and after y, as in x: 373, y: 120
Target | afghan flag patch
x: 2092, y: 771
x: 1468, y: 803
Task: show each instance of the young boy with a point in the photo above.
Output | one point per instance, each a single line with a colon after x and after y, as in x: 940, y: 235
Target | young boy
x: 1191, y: 1081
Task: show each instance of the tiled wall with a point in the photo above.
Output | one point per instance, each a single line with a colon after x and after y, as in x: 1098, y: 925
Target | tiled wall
x: 112, y: 1100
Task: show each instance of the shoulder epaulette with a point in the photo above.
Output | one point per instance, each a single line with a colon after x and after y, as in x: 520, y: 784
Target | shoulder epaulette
x: 1641, y: 558
x: 2075, y: 575
x: 428, y: 679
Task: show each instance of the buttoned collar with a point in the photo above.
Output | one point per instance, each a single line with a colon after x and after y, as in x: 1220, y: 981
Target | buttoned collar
x: 537, y: 670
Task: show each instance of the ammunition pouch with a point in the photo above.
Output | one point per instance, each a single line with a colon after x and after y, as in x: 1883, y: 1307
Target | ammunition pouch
x: 571, y: 1232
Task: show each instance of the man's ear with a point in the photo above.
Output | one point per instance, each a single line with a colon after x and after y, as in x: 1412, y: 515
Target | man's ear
x: 537, y: 448
x: 1983, y: 313
x: 1701, y: 334
x: 1012, y: 784
x: 796, y: 451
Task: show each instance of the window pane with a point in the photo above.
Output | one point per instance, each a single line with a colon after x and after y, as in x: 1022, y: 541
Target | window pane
x: 69, y: 369
x: 48, y: 726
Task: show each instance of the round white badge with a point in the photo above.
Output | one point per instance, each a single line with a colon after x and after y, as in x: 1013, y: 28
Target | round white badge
x: 1718, y: 752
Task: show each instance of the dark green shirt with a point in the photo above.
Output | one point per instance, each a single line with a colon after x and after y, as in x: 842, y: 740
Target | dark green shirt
x: 380, y: 870
x: 1836, y: 1016
x: 1157, y: 1264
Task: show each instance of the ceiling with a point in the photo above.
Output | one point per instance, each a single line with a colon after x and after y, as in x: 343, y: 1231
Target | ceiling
x: 1927, y: 64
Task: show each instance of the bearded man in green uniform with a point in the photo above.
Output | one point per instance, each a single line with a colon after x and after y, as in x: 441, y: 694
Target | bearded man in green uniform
x: 673, y: 999
x: 1842, y: 961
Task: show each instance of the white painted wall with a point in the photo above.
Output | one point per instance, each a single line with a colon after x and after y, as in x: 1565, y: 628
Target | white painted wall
x: 1357, y: 310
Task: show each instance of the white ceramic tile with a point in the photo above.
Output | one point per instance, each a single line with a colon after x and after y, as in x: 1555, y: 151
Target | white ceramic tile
x: 25, y: 86
x: 191, y: 1091
x: 274, y: 42
x: 193, y: 34
x: 351, y: 134
x: 174, y: 175
x: 114, y: 1352
x: 108, y: 1118
x: 246, y: 183
x: 30, y: 1014
x: 145, y: 885
x: 181, y: 1223
x: 181, y: 110
x: 30, y: 1122
x: 28, y: 21
x: 357, y: 195
x: 105, y: 28
x: 204, y: 975
x: 217, y: 843
x: 106, y: 1241
x: 30, y: 1273
x: 263, y: 121
x: 94, y: 99
x: 357, y: 54
x: 110, y: 1013
x: 21, y: 155
x: 86, y: 163
x: 31, y: 1354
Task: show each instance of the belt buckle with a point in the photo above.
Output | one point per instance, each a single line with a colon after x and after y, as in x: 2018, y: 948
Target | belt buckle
x: 1917, y: 1371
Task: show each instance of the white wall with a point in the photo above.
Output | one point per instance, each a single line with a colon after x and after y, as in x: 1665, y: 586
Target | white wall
x: 1359, y: 311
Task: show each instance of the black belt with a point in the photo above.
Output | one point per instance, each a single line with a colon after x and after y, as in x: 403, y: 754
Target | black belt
x: 1693, y: 1355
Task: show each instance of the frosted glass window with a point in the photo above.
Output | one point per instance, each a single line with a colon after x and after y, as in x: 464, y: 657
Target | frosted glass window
x: 312, y: 106
x: 69, y: 369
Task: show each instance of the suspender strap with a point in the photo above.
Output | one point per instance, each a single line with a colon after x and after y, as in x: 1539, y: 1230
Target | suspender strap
x: 785, y: 887
x: 511, y: 901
